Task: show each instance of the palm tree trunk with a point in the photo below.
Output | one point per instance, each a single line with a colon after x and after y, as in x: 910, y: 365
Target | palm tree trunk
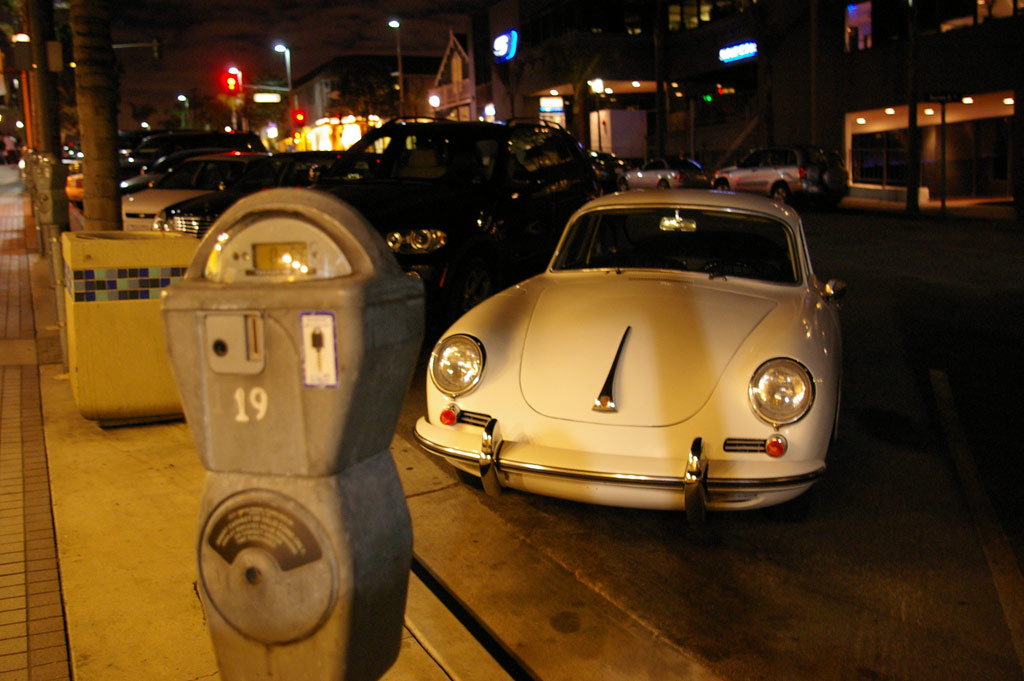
x: 96, y: 91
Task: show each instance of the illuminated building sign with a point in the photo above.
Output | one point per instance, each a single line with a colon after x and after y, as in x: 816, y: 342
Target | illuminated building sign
x: 552, y: 105
x: 505, y: 46
x: 737, y: 52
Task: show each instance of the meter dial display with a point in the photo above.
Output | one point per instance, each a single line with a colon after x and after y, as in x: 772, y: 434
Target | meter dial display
x: 276, y: 247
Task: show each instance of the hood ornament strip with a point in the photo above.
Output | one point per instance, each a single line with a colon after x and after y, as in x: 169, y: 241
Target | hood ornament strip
x: 605, y: 400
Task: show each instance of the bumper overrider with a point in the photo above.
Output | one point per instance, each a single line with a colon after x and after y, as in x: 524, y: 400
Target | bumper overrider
x: 695, y: 490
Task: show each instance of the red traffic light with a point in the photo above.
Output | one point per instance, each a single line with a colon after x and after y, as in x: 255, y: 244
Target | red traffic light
x: 299, y: 116
x: 232, y: 81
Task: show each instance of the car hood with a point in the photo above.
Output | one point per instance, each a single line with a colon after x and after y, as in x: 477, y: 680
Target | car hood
x: 207, y: 204
x: 681, y: 336
x: 406, y: 205
x: 152, y: 201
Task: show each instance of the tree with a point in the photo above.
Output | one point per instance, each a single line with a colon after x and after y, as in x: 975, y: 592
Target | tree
x: 96, y: 90
x: 364, y: 86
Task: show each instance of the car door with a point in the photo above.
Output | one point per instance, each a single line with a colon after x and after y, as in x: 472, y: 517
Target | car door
x: 648, y: 176
x: 747, y: 174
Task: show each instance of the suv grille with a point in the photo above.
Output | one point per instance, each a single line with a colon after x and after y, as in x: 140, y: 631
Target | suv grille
x: 190, y: 224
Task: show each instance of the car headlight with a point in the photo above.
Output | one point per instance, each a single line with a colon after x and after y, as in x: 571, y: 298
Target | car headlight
x: 416, y: 240
x: 160, y: 223
x: 457, y: 364
x: 781, y: 391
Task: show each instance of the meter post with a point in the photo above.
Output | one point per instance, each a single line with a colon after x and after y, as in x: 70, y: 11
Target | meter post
x: 293, y: 337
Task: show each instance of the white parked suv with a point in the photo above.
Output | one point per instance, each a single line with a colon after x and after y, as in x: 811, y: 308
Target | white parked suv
x: 789, y: 173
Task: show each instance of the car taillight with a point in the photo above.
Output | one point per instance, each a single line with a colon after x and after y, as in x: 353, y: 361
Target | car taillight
x: 803, y: 173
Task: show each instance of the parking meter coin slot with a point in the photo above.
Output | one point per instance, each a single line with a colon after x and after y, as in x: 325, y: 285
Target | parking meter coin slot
x: 234, y: 342
x: 268, y: 566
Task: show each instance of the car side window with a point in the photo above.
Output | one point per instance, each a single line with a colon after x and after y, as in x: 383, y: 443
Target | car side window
x: 535, y: 152
x: 752, y: 160
x: 210, y: 176
x: 182, y: 177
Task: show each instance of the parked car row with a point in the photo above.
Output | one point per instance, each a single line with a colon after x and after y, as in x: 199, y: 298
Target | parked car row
x: 574, y: 356
x: 793, y: 173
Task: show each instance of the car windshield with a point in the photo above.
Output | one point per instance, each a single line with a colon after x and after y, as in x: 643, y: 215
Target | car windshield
x: 424, y: 155
x: 210, y: 175
x: 718, y: 243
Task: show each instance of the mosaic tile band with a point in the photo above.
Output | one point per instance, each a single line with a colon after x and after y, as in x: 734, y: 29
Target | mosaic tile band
x: 119, y: 283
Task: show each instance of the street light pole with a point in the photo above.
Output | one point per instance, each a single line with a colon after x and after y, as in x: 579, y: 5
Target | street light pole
x: 397, y: 25
x: 281, y: 47
x: 184, y: 116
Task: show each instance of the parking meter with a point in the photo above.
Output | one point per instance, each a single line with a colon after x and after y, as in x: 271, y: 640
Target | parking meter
x: 51, y: 200
x: 293, y: 337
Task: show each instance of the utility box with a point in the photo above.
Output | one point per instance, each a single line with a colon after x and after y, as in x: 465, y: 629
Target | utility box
x: 117, y: 359
x: 293, y: 338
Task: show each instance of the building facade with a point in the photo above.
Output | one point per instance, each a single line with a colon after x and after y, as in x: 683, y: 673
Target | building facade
x: 875, y: 79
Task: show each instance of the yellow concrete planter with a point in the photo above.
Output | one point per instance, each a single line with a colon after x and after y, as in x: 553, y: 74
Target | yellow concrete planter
x: 117, y: 358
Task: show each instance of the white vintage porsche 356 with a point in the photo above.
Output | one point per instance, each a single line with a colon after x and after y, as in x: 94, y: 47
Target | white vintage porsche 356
x: 678, y: 353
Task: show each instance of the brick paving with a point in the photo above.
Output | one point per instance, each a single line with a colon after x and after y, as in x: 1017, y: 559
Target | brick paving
x: 33, y: 638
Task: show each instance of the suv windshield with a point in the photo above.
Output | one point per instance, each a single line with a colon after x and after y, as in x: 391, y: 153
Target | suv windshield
x: 425, y: 153
x: 715, y: 242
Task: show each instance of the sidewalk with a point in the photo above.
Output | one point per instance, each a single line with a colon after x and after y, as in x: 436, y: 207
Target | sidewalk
x: 97, y: 526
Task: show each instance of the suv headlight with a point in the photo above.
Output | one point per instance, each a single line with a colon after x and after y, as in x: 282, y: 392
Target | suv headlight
x: 457, y: 364
x: 160, y: 222
x: 416, y: 240
x: 781, y: 391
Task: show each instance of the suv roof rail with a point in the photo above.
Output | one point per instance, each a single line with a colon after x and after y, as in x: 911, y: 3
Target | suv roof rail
x: 534, y: 121
x: 421, y: 119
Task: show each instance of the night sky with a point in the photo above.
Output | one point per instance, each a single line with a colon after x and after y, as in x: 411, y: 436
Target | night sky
x: 202, y: 38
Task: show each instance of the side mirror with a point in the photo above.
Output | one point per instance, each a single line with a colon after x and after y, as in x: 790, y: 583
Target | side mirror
x: 835, y: 290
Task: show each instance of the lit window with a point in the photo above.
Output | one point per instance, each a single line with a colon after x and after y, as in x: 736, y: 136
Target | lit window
x: 858, y: 26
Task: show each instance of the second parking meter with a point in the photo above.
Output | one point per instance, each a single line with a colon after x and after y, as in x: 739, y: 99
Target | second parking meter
x: 293, y: 337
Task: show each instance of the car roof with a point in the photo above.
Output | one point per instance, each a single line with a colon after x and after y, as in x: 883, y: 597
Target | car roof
x: 694, y: 197
x: 227, y: 155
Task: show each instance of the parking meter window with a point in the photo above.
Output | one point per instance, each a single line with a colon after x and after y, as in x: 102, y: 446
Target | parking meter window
x: 283, y: 248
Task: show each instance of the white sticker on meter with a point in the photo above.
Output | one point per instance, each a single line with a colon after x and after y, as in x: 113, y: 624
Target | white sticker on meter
x: 319, y: 351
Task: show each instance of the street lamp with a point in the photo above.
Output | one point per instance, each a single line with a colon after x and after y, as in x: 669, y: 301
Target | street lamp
x: 397, y: 25
x: 184, y: 115
x: 282, y: 48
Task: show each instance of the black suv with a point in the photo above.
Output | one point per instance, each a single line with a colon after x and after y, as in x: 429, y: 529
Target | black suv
x: 468, y: 207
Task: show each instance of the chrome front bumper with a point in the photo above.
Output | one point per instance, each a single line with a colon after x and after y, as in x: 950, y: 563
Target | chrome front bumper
x: 490, y: 463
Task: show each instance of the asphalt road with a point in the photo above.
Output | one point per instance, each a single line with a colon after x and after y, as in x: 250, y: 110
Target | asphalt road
x: 891, y: 575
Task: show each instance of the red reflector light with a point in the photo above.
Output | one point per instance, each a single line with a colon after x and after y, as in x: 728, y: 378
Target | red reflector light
x: 449, y: 416
x: 776, y: 446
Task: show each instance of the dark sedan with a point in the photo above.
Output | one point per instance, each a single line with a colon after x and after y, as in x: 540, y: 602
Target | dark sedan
x: 294, y: 169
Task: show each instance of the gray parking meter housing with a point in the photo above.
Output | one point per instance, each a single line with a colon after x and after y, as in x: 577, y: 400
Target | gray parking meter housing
x: 50, y: 198
x: 293, y: 337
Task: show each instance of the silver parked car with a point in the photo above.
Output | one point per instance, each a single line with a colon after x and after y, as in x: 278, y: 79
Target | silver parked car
x: 789, y: 173
x: 666, y: 173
